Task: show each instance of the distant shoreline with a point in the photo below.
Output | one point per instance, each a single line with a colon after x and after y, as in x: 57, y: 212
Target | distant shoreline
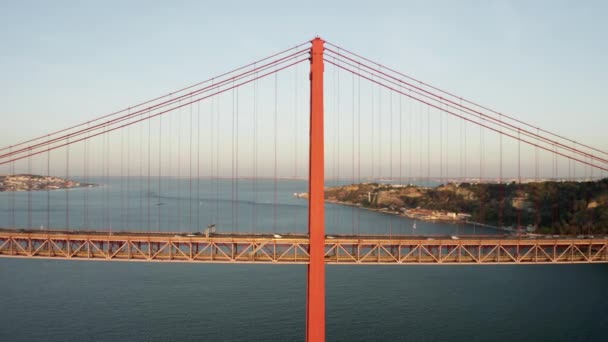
x: 389, y: 212
x: 28, y: 182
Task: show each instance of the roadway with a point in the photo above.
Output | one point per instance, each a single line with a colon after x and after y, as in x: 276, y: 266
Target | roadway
x: 300, y: 236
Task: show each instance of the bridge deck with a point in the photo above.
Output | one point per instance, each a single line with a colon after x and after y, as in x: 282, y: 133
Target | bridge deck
x: 293, y: 248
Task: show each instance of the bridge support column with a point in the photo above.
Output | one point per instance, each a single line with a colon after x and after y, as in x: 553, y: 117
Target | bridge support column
x: 315, y: 297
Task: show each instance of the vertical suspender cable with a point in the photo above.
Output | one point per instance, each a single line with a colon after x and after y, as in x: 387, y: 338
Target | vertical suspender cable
x: 67, y: 191
x: 465, y: 159
x: 352, y: 145
x: 211, y: 145
x: 390, y: 158
x: 338, y: 131
x: 335, y: 136
x: 190, y: 172
x: 447, y: 147
x: 554, y: 163
x: 390, y: 135
x: 410, y: 129
x: 518, y: 179
x: 179, y: 167
x: 334, y: 158
x: 379, y: 131
x: 536, y: 171
x: 85, y: 170
x: 295, y: 136
x: 29, y: 192
x: 440, y: 117
x: 141, y: 175
x: 122, y: 179
x: 12, y: 197
x: 373, y: 130
x: 518, y: 158
x: 170, y: 163
x: 149, y: 178
x: 295, y: 126
x: 48, y: 190
x: 255, y: 156
x: 428, y: 146
x: 420, y: 142
x: 536, y: 166
x: 107, y: 167
x: 160, y: 161
x: 232, y: 160
x: 500, y: 180
x: 483, y: 189
x: 212, y: 134
x: 198, y: 166
x: 338, y: 137
x: 274, y: 208
x: 400, y: 140
x: 128, y: 218
x: 461, y: 151
x: 573, y: 163
x: 334, y: 143
x: 481, y: 153
x: 236, y: 179
x: 8, y: 205
x: 359, y: 146
x: 217, y: 162
x: 400, y: 132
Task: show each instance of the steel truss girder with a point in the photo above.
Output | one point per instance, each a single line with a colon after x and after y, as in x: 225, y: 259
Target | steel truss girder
x: 154, y: 247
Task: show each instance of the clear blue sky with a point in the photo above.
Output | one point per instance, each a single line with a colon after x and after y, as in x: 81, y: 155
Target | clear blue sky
x: 63, y: 62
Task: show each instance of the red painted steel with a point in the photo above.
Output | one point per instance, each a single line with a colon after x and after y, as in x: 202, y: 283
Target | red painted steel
x: 293, y: 248
x: 315, y: 297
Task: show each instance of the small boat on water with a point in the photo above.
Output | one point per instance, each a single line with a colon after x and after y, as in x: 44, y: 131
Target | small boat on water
x: 414, y: 225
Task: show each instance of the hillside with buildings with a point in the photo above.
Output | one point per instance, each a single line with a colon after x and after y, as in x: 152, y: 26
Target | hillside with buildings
x: 25, y: 182
x: 545, y: 207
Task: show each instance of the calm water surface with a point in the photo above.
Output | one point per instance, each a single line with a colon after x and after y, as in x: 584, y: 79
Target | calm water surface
x: 54, y: 300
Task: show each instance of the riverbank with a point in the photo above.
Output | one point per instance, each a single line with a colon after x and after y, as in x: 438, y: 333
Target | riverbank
x: 437, y: 216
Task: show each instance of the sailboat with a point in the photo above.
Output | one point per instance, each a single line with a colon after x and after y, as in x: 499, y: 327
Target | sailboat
x: 414, y: 225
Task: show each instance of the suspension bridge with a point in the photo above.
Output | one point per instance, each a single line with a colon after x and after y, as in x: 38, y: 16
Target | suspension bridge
x: 218, y: 153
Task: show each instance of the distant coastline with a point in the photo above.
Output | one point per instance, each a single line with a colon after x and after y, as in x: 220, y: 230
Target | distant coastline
x: 548, y: 207
x: 28, y: 182
x: 414, y: 214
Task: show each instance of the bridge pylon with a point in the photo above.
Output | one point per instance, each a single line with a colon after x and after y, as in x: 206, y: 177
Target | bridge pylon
x: 315, y: 296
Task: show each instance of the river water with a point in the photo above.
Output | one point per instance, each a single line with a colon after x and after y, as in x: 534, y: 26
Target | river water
x: 55, y: 300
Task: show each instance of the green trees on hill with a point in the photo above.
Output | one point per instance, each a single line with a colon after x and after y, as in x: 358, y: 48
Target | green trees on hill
x: 553, y: 207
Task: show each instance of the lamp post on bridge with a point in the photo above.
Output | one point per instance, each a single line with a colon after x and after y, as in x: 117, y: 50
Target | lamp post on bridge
x: 315, y: 295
